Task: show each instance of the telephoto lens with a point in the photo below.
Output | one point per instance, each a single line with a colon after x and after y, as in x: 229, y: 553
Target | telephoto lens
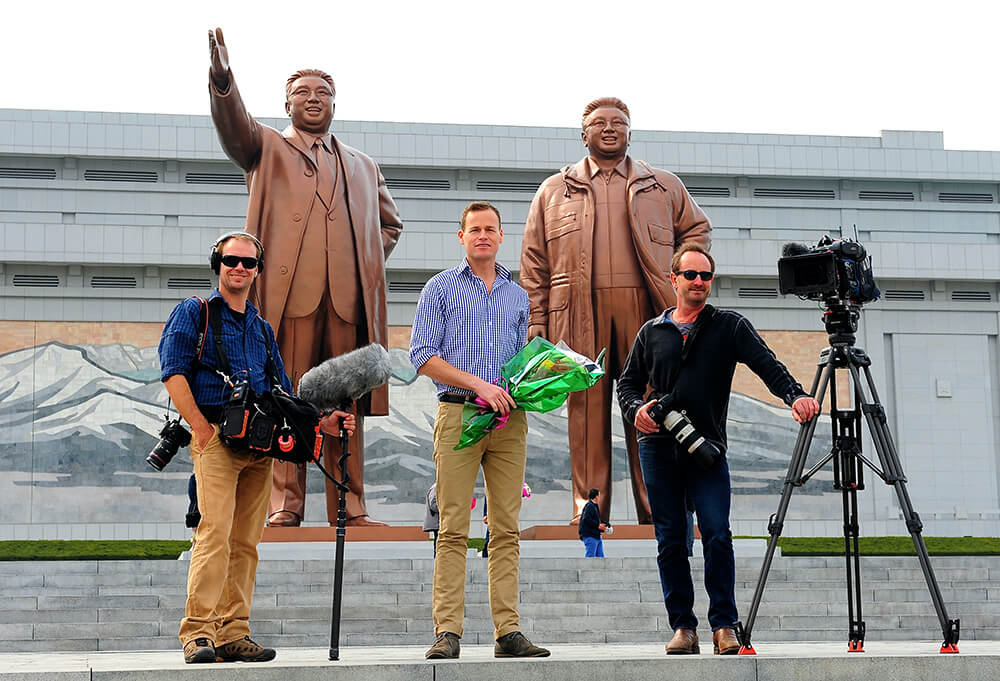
x: 703, y: 452
x: 173, y: 436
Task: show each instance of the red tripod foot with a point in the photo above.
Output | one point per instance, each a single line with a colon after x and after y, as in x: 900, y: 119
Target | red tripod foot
x: 949, y: 648
x: 747, y: 650
x: 855, y: 646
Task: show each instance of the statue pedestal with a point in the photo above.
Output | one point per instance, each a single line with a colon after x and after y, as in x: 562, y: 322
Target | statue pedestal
x: 563, y: 532
x: 329, y: 534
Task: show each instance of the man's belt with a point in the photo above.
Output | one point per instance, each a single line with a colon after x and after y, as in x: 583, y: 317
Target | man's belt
x: 454, y: 398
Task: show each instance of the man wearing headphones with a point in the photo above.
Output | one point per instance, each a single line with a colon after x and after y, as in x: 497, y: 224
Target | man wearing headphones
x: 233, y: 486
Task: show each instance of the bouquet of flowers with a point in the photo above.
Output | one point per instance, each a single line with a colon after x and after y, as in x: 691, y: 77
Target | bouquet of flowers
x: 539, y: 378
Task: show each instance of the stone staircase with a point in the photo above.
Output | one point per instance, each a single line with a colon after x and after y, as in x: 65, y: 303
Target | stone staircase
x: 137, y: 605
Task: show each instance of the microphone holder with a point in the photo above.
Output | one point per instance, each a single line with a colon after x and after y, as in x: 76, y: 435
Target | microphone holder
x: 338, y: 569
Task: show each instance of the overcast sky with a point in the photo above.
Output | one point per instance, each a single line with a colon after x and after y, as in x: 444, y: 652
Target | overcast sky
x: 830, y: 68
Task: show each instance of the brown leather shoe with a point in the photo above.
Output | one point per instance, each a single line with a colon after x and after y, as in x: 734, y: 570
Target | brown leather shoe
x: 446, y: 647
x: 364, y: 521
x: 684, y: 642
x: 724, y: 642
x: 283, y: 519
x: 515, y: 644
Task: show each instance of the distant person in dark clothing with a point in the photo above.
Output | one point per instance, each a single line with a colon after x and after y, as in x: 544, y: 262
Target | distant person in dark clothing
x: 591, y: 526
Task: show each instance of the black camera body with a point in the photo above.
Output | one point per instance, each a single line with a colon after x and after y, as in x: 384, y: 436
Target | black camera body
x: 702, y: 452
x: 173, y: 436
x: 834, y: 271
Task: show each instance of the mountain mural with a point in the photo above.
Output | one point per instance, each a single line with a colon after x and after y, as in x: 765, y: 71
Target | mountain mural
x: 76, y: 422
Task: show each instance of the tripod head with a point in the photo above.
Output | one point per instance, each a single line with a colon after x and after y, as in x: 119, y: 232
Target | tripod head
x: 841, y: 321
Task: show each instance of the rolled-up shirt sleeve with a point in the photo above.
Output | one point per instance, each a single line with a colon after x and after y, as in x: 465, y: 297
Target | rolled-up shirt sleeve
x: 178, y: 344
x: 428, y: 325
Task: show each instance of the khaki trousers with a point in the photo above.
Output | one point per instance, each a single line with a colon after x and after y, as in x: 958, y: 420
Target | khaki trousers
x: 232, y: 497
x: 501, y: 455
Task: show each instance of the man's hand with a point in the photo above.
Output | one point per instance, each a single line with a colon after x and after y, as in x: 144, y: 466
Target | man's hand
x: 219, y: 56
x: 536, y: 330
x: 203, y: 434
x: 804, y: 409
x: 495, y: 396
x: 602, y: 527
x: 336, y: 421
x: 643, y: 423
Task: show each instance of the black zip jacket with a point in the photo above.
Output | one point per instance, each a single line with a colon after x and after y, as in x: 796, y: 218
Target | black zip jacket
x: 699, y: 369
x: 590, y: 521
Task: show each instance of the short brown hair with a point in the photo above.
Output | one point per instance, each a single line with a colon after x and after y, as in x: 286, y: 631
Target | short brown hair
x: 306, y: 73
x: 477, y: 206
x: 675, y: 264
x: 601, y: 102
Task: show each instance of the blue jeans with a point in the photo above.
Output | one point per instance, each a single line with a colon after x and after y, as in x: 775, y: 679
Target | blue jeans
x: 594, y: 547
x: 671, y: 478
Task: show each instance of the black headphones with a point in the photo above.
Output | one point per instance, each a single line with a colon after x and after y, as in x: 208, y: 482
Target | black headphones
x: 215, y: 259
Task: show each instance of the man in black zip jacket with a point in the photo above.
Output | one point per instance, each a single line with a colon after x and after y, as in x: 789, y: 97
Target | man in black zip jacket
x: 591, y: 526
x: 689, y: 353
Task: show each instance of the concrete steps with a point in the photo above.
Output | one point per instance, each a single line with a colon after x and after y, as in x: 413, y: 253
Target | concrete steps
x: 137, y: 605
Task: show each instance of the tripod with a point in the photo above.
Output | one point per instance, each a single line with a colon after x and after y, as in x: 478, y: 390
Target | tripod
x: 848, y: 475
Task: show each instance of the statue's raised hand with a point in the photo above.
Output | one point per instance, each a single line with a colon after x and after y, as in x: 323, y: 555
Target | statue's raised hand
x: 219, y: 56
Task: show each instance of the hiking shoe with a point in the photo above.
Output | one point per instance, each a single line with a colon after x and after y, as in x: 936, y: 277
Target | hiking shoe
x: 446, y: 647
x: 515, y: 644
x: 244, y: 650
x: 199, y: 650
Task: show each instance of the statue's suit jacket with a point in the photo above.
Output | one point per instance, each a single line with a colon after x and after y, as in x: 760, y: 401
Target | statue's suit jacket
x: 282, y: 184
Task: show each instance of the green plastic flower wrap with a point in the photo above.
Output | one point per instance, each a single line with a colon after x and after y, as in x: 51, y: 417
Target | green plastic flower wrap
x: 539, y: 377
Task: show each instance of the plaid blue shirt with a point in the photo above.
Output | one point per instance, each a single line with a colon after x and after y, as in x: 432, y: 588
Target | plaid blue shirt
x: 244, y: 346
x: 463, y: 324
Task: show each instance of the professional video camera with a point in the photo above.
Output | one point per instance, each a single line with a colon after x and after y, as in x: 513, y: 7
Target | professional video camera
x: 835, y: 271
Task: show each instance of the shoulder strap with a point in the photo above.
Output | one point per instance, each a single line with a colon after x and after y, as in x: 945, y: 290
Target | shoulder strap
x: 203, y: 326
x: 215, y: 322
x: 272, y: 367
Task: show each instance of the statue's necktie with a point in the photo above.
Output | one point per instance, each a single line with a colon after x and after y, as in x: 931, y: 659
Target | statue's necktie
x: 325, y: 185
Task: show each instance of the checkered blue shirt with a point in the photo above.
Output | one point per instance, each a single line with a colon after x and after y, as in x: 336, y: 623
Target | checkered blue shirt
x: 463, y: 324
x: 244, y: 346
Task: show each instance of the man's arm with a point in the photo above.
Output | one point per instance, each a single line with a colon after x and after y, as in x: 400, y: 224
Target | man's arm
x: 753, y: 351
x: 239, y: 133
x: 389, y: 221
x: 180, y: 392
x: 535, y: 267
x: 634, y: 378
x: 442, y: 372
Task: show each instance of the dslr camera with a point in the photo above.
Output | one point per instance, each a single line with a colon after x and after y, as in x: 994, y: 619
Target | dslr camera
x: 173, y: 436
x: 836, y: 271
x: 702, y: 452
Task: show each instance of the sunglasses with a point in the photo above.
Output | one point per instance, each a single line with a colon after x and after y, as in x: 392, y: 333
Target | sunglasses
x: 691, y: 275
x: 234, y: 260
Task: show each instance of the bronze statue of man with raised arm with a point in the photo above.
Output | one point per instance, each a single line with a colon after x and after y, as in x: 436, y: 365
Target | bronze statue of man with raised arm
x: 327, y: 221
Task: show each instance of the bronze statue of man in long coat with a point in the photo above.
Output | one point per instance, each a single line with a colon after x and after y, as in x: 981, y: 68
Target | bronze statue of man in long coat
x: 595, y: 262
x: 328, y: 223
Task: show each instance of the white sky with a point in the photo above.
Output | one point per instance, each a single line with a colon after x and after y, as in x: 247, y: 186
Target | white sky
x: 831, y: 68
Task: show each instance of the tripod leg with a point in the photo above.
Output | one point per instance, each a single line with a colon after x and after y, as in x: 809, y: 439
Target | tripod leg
x: 874, y: 414
x: 847, y: 478
x: 774, y: 526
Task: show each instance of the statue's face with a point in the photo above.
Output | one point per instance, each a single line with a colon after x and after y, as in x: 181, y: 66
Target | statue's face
x: 606, y: 132
x: 310, y: 104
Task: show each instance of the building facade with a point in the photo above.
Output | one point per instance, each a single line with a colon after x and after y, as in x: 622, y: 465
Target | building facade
x: 106, y: 221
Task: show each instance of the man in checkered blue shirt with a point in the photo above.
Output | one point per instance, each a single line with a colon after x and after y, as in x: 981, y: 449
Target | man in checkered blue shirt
x: 470, y: 321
